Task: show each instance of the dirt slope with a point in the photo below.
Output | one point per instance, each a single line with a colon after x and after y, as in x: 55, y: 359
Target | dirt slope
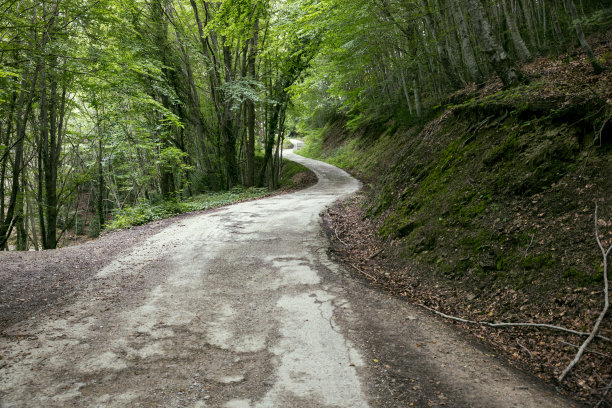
x: 486, y: 211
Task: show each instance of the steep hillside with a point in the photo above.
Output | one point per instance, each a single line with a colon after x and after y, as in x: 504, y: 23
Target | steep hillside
x: 486, y: 211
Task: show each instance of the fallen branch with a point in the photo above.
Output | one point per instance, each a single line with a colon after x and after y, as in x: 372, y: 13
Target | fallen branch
x: 604, y: 395
x: 377, y: 253
x: 588, y: 341
x: 504, y: 324
x: 336, y: 234
x: 525, y: 348
x: 588, y: 351
x: 527, y: 250
x: 362, y: 272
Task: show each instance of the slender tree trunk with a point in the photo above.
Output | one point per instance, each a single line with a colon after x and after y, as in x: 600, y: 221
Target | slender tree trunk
x: 497, y: 56
x: 100, y: 212
x: 250, y: 147
x: 521, y: 49
x: 52, y: 125
x: 583, y: 41
x: 466, y: 46
x: 269, y: 142
x: 532, y: 32
x: 22, y: 234
x: 406, y: 93
x: 434, y: 30
x: 3, y: 166
x: 23, y: 113
x: 39, y: 198
x: 417, y: 99
x: 30, y: 211
x: 5, y: 156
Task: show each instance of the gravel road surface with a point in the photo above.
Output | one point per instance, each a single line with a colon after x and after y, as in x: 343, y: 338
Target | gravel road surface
x: 241, y: 307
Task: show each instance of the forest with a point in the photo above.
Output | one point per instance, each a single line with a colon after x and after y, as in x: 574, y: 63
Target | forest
x: 110, y: 104
x: 481, y: 131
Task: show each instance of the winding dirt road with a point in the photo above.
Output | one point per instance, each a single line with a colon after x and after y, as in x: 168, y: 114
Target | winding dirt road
x: 241, y: 307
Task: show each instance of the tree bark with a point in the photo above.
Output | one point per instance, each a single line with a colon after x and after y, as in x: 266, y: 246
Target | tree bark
x: 497, y: 56
x: 434, y: 31
x: 23, y: 113
x: 583, y: 41
x: 250, y: 147
x: 467, y: 51
x: 520, y: 48
x: 22, y: 234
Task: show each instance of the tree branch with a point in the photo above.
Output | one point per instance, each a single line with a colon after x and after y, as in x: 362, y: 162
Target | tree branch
x: 588, y: 341
x: 504, y: 324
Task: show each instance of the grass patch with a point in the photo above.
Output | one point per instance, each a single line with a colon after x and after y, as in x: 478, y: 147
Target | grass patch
x: 145, y: 212
x: 289, y: 170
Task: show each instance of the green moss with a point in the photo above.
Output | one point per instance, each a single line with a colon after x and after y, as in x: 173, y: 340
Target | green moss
x: 465, y: 197
x: 576, y: 277
x: 506, y: 151
x: 289, y: 170
x: 540, y: 261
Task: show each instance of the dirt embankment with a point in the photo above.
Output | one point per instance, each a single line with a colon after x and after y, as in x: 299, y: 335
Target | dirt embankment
x: 486, y: 213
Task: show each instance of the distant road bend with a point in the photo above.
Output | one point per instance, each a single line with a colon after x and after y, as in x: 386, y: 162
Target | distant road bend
x: 242, y: 308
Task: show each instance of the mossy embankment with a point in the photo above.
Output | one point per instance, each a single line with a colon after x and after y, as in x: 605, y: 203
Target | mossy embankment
x: 490, y: 204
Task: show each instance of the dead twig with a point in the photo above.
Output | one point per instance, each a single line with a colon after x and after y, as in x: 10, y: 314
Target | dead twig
x: 362, y: 272
x: 595, y: 330
x: 529, y: 246
x: 525, y: 348
x: 505, y: 324
x: 604, y: 395
x: 337, y: 237
x: 377, y: 253
x: 588, y: 351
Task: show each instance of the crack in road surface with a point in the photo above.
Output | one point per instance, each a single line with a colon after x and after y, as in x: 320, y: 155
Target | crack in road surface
x: 240, y: 307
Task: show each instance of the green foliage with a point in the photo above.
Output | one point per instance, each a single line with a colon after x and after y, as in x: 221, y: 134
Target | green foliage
x: 289, y: 170
x: 94, y: 228
x: 145, y: 212
x: 538, y: 262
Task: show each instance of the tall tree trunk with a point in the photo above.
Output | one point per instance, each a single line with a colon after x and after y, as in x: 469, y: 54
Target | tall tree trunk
x: 23, y: 107
x: 39, y: 198
x: 434, y: 30
x: 521, y: 49
x: 22, y: 234
x: 4, y: 159
x: 51, y: 117
x: 497, y: 56
x: 406, y: 93
x: 417, y: 99
x: 583, y: 41
x: 269, y: 142
x: 250, y: 147
x: 532, y: 32
x: 30, y: 211
x: 464, y: 40
x: 10, y: 219
x: 100, y: 212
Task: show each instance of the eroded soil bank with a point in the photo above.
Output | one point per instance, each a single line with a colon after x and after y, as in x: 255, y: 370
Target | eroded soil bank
x: 486, y: 212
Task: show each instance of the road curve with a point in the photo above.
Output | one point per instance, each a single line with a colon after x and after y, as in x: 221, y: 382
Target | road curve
x: 241, y: 307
